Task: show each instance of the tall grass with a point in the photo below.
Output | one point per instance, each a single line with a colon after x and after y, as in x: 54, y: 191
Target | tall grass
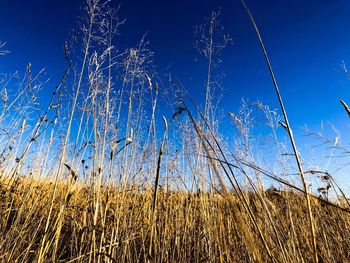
x: 95, y: 176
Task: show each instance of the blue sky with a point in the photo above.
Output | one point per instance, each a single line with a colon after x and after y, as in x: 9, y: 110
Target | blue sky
x: 306, y: 40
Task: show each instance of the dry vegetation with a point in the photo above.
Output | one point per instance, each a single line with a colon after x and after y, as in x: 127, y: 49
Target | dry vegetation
x: 92, y: 175
x: 183, y: 228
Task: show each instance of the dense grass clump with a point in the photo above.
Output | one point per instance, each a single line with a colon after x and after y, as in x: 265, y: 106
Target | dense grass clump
x: 184, y: 227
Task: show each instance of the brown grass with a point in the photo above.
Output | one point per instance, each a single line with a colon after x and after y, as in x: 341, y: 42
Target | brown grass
x: 86, y: 178
x: 187, y: 228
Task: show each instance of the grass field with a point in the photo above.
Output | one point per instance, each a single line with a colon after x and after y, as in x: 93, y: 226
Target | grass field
x: 95, y: 173
x: 121, y: 226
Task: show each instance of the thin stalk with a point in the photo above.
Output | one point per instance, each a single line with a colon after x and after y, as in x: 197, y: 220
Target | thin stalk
x: 290, y: 133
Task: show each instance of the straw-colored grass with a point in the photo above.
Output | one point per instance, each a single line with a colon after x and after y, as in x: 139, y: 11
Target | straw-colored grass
x: 94, y: 175
x: 186, y: 228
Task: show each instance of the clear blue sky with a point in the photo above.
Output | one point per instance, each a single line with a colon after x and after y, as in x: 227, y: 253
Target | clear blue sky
x: 306, y: 41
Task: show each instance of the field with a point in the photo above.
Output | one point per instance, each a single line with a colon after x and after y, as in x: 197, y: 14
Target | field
x: 95, y: 169
x: 121, y: 226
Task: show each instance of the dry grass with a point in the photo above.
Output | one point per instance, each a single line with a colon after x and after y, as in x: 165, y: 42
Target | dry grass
x: 186, y: 227
x: 93, y: 176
